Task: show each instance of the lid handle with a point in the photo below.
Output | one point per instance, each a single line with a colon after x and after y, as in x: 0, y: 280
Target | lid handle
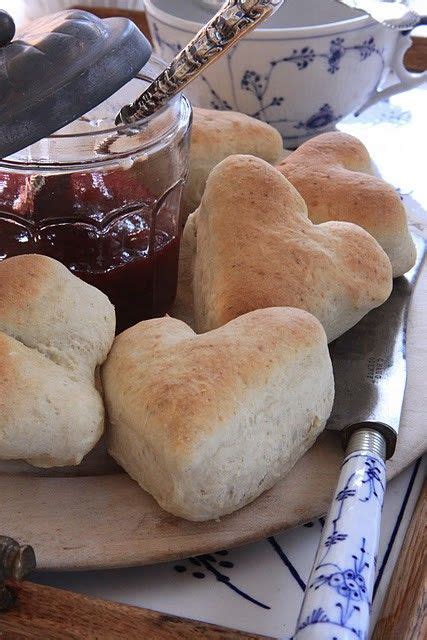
x: 7, y: 28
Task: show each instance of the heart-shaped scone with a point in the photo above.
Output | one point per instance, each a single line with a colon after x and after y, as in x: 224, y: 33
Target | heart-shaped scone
x: 55, y: 330
x: 333, y: 173
x: 218, y: 134
x: 256, y: 248
x: 207, y: 423
x: 183, y: 307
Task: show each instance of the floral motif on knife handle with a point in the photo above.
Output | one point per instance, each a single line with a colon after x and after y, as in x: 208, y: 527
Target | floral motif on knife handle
x: 338, y: 598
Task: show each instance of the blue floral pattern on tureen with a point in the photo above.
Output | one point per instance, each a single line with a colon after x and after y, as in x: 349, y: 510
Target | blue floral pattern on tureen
x: 258, y: 82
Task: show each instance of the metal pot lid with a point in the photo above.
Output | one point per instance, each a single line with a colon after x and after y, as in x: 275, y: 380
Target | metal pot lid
x: 58, y: 68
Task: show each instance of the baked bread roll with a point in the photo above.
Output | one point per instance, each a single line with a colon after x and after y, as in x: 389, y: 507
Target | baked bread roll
x: 333, y: 173
x: 55, y: 330
x: 256, y: 248
x: 183, y: 307
x: 218, y: 134
x: 207, y: 423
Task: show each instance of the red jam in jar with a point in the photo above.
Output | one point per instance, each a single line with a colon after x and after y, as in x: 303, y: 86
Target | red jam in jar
x: 106, y: 204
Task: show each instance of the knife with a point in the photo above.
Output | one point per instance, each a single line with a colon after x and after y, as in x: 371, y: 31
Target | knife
x: 370, y: 378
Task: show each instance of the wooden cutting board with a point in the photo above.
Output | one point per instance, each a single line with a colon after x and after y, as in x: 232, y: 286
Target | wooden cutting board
x: 95, y: 516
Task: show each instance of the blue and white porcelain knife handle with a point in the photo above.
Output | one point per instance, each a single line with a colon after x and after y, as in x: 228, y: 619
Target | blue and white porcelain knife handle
x: 337, y: 601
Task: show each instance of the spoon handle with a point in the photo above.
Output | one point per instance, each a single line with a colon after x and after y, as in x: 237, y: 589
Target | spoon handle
x: 233, y: 21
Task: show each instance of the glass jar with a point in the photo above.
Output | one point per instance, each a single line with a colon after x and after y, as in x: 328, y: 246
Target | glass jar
x: 105, y: 201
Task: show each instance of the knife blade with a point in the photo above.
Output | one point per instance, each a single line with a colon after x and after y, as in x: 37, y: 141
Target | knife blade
x: 370, y: 376
x: 369, y: 363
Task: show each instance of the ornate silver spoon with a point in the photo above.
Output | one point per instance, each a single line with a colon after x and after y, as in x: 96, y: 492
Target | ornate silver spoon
x: 233, y: 21
x: 394, y: 15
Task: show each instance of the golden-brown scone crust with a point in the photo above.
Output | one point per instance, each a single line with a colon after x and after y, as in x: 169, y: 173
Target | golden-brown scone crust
x: 207, y: 423
x: 218, y: 134
x: 256, y: 248
x: 55, y: 330
x: 333, y: 174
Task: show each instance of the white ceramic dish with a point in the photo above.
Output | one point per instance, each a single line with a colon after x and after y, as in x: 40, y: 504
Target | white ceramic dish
x: 310, y: 65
